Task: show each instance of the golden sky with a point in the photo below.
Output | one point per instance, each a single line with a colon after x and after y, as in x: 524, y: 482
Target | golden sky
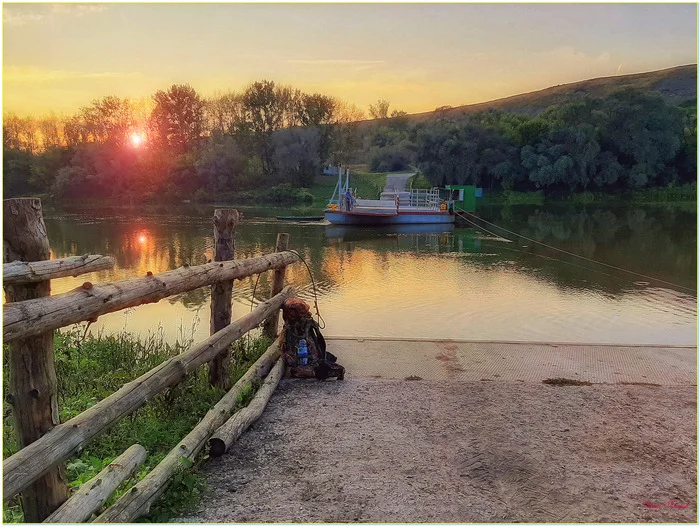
x: 59, y: 57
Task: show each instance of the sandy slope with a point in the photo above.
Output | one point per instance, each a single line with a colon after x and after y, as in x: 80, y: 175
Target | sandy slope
x: 378, y: 450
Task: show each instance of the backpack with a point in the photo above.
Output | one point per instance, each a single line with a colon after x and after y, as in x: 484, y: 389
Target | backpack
x: 299, y: 325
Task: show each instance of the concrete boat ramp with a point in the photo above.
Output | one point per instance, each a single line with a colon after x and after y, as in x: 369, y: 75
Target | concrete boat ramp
x: 515, y: 361
x: 447, y: 431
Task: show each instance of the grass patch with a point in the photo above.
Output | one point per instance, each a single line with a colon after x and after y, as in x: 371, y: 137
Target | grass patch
x: 282, y: 194
x: 419, y: 182
x: 564, y: 381
x: 648, y: 384
x: 667, y: 194
x: 91, y: 369
x: 523, y: 198
x: 369, y: 186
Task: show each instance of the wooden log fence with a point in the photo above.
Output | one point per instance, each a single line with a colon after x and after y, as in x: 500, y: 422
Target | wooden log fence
x: 270, y: 328
x: 234, y: 427
x: 94, y: 493
x: 29, y: 318
x: 20, y: 272
x: 33, y: 317
x: 225, y: 222
x: 137, y: 501
x: 30, y: 463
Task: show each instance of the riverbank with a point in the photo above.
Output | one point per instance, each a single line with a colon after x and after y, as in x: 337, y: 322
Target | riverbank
x: 502, y: 446
x: 378, y: 450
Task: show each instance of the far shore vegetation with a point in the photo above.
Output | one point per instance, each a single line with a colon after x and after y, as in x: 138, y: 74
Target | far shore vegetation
x: 269, y: 144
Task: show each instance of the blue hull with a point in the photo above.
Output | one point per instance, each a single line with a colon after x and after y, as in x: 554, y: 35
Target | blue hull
x: 402, y: 218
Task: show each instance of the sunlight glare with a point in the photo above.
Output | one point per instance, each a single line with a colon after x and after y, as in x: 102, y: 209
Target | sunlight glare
x: 136, y: 140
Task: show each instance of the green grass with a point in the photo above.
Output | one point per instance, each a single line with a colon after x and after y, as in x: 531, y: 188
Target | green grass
x: 92, y: 368
x: 419, y: 181
x: 667, y: 194
x: 522, y: 198
x: 369, y: 186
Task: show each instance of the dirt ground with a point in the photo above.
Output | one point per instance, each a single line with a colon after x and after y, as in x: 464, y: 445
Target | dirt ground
x: 395, y: 450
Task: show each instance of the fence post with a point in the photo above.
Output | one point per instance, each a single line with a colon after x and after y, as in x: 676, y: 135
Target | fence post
x: 33, y: 385
x: 225, y: 222
x: 270, y: 326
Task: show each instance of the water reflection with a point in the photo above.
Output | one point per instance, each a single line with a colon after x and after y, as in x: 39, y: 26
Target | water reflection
x: 424, y: 280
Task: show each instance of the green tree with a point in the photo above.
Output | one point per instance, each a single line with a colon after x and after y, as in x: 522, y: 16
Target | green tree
x: 265, y: 107
x: 380, y: 110
x: 177, y: 120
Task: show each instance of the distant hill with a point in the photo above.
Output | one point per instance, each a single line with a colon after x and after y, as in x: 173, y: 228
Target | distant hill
x: 676, y: 85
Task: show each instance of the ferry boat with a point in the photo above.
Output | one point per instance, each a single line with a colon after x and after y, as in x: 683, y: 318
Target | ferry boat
x: 392, y: 208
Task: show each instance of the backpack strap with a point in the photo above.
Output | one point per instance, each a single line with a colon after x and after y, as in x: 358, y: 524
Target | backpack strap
x: 315, y: 330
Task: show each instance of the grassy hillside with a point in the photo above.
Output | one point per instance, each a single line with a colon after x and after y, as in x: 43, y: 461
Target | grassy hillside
x: 675, y: 85
x: 369, y: 186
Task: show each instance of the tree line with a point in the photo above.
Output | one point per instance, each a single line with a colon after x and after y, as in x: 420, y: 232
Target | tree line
x: 628, y: 140
x: 276, y: 137
x: 179, y: 145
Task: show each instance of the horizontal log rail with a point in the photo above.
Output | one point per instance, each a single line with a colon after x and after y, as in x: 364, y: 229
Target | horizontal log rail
x: 20, y: 272
x: 235, y: 426
x: 32, y: 317
x: 137, y: 501
x: 95, y: 492
x: 31, y: 462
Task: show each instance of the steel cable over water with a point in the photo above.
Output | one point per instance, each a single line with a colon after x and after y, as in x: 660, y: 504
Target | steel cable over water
x: 319, y: 318
x: 463, y: 214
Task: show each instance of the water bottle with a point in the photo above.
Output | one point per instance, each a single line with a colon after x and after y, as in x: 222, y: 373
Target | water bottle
x: 303, y: 352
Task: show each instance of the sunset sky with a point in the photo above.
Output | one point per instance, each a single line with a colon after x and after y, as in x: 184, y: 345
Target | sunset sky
x: 59, y: 57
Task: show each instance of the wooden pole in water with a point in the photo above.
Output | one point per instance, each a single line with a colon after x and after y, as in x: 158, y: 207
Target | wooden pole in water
x: 225, y: 222
x: 271, y: 325
x: 33, y: 385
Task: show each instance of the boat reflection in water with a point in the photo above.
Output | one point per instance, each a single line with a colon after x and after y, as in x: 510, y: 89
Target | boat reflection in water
x: 420, y: 237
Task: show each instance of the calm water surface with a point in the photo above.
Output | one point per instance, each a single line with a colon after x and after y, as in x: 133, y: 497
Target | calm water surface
x: 406, y: 282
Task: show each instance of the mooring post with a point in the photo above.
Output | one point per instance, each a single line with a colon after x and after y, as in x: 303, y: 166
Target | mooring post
x: 270, y: 326
x: 225, y: 222
x: 33, y: 385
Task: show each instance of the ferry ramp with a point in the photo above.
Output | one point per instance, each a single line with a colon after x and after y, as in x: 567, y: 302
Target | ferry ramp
x: 455, y: 431
x: 397, y: 182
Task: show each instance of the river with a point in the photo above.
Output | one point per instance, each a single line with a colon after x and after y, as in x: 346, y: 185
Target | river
x: 439, y: 282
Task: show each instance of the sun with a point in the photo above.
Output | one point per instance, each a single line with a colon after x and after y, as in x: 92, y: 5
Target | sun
x: 136, y: 139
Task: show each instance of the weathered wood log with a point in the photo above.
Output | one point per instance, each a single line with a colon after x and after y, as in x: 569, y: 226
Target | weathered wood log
x: 32, y: 317
x: 234, y: 427
x: 95, y: 492
x: 33, y: 383
x: 225, y: 222
x: 33, y: 272
x: 25, y: 466
x: 137, y: 501
x: 270, y: 327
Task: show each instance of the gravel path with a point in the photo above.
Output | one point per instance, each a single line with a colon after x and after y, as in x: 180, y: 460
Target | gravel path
x: 397, y: 182
x: 399, y: 450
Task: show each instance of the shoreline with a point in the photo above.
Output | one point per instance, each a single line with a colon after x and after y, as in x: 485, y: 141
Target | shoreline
x: 390, y: 450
